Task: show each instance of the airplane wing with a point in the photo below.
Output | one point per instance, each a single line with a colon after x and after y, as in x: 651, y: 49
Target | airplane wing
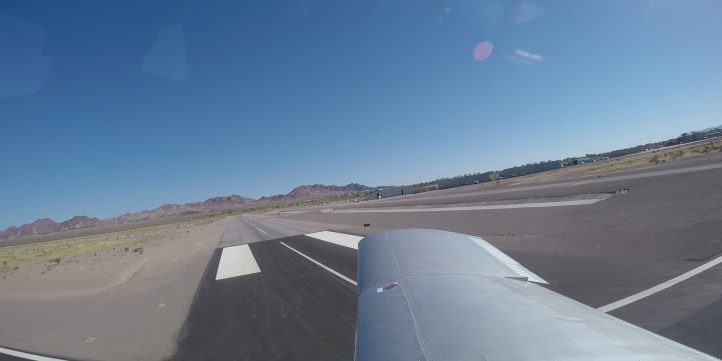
x: 435, y: 295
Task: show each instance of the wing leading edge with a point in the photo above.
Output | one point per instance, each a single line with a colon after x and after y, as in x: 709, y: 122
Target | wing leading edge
x: 436, y: 295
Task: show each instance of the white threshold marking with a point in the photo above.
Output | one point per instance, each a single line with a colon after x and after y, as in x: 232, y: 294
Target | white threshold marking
x: 341, y: 239
x: 322, y: 265
x: 236, y: 261
x: 26, y: 355
x: 262, y: 231
x: 662, y: 286
x: 579, y: 202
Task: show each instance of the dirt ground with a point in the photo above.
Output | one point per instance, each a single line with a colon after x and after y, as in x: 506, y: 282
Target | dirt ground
x: 115, y: 296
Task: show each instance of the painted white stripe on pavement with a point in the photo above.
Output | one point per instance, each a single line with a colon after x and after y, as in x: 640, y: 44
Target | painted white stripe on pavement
x: 26, y: 355
x: 341, y: 239
x: 262, y: 231
x: 579, y: 202
x: 322, y: 265
x: 236, y: 261
x: 648, y: 292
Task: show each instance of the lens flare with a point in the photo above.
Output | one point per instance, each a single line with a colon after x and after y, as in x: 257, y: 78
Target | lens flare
x: 483, y: 51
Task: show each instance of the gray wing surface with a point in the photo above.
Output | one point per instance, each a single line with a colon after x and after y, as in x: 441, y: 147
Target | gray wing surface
x: 436, y: 295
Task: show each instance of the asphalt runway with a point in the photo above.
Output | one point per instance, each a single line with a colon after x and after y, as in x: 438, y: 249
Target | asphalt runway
x: 596, y: 253
x: 299, y: 300
x: 659, y: 223
x: 292, y: 309
x: 652, y: 225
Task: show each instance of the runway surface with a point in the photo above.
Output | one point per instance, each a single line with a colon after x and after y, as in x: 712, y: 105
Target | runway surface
x: 657, y: 224
x: 651, y: 226
x: 282, y: 286
x: 520, y: 188
x: 300, y: 305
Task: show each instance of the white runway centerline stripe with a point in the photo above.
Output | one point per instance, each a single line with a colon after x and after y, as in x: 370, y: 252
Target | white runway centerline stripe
x: 322, y: 265
x: 662, y: 286
x: 236, y: 261
x: 579, y: 202
x: 262, y: 231
x: 26, y: 355
x: 341, y: 239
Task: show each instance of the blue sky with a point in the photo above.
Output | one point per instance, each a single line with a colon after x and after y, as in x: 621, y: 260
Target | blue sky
x: 108, y: 107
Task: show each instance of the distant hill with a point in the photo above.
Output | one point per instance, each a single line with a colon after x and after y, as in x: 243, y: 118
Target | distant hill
x: 79, y: 222
x: 320, y: 190
x: 167, y: 210
x: 215, y: 204
x: 47, y: 225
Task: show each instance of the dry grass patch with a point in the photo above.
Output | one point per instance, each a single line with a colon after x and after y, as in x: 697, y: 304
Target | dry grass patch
x: 655, y: 157
x: 127, y: 242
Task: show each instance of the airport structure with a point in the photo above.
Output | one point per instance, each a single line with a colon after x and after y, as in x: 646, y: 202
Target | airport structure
x: 517, y: 171
x: 390, y: 192
x: 464, y: 180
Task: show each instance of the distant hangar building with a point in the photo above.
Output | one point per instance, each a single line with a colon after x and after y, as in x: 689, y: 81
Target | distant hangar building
x: 390, y: 192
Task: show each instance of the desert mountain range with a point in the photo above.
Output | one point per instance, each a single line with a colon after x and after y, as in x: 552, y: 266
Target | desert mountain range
x: 215, y: 204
